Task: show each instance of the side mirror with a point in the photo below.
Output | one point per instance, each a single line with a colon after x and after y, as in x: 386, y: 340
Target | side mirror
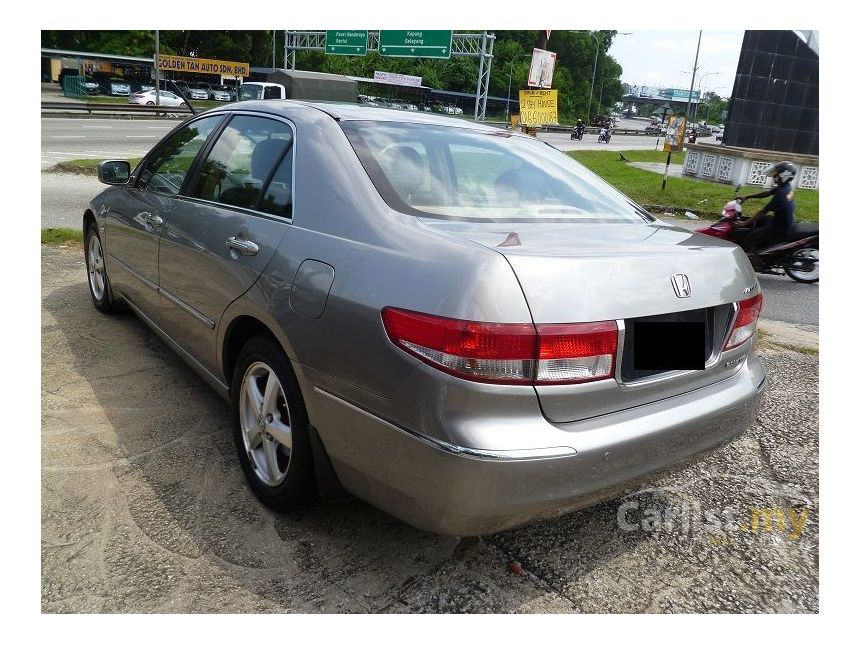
x: 114, y: 173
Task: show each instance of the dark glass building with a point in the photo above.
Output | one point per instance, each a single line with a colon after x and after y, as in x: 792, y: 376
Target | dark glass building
x: 774, y: 103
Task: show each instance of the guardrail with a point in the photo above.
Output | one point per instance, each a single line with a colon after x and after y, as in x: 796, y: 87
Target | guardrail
x: 112, y: 107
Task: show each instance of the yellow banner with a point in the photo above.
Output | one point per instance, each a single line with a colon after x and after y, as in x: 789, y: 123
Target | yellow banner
x: 202, y: 66
x: 675, y: 131
x: 538, y: 106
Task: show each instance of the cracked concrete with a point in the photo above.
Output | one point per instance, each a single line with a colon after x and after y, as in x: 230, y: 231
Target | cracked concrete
x: 144, y: 508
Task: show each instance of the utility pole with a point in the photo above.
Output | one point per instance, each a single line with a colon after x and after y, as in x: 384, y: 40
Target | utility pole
x: 157, y: 75
x: 683, y: 131
x: 273, y: 49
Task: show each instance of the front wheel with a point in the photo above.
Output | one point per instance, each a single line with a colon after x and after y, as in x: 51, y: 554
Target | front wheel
x: 803, y: 266
x: 183, y: 106
x: 99, y: 285
x: 271, y: 426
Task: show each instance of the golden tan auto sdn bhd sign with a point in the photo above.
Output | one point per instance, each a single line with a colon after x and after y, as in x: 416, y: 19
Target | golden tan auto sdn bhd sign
x: 538, y: 107
x: 202, y: 66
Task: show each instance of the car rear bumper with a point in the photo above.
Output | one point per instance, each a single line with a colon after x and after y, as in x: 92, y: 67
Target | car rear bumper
x: 461, y: 491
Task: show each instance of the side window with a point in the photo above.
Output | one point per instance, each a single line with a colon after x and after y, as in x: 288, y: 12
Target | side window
x: 166, y: 168
x: 250, y: 159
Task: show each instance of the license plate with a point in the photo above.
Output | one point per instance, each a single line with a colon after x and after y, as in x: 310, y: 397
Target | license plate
x: 669, y: 345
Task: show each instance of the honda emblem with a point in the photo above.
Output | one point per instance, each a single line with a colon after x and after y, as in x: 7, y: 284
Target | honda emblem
x: 681, y: 285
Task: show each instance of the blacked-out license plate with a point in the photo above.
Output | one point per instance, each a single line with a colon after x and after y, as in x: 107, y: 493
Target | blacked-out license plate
x: 669, y: 345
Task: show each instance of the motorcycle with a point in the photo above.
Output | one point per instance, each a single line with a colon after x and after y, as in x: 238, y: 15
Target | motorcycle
x: 577, y: 133
x: 796, y: 255
x: 604, y: 135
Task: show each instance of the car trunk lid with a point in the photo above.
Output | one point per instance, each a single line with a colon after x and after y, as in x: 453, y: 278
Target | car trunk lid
x: 589, y: 272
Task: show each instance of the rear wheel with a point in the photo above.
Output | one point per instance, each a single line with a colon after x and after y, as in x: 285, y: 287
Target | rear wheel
x: 271, y: 426
x: 803, y: 266
x: 183, y: 105
x: 150, y: 102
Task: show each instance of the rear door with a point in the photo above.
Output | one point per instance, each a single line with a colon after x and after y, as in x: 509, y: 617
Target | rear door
x: 138, y: 214
x: 225, y: 228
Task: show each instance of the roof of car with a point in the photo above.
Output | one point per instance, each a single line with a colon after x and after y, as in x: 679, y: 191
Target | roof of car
x: 357, y: 112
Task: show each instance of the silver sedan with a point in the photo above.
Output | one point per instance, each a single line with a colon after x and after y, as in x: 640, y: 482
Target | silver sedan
x: 458, y: 324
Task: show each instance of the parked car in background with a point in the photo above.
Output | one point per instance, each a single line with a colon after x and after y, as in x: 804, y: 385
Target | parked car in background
x: 115, y: 87
x: 199, y: 92
x: 256, y: 90
x: 218, y: 93
x: 165, y: 99
x: 469, y: 331
x: 90, y: 85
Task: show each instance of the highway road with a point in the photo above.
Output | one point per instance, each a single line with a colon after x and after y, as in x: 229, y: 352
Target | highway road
x: 65, y: 196
x: 83, y: 138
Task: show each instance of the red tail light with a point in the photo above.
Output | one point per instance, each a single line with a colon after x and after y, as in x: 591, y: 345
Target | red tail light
x: 745, y: 322
x: 506, y: 353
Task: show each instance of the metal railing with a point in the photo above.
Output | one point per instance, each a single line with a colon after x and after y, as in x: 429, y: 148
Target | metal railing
x: 131, y: 108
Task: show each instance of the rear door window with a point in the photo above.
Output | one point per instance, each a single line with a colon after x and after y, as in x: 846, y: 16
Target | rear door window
x: 247, y: 163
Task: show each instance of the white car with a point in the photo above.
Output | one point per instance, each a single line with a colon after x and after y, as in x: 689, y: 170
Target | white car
x: 167, y: 99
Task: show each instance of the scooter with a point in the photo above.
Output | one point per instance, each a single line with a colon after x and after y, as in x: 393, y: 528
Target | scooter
x: 796, y: 255
x: 577, y: 133
x: 604, y: 135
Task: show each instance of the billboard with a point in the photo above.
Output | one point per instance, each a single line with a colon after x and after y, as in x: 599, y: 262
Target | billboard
x: 538, y: 107
x: 661, y: 93
x: 202, y: 66
x: 542, y: 68
x: 397, y: 79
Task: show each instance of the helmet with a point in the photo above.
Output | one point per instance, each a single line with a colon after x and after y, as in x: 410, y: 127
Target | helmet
x: 782, y: 172
x: 578, y: 121
x: 732, y: 209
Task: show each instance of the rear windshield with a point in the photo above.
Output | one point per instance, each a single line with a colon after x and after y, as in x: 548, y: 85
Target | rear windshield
x: 250, y: 92
x: 462, y: 174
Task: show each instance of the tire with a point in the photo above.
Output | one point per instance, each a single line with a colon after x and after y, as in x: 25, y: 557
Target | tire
x: 97, y: 278
x: 183, y: 106
x: 806, y: 277
x: 280, y: 476
x: 150, y: 102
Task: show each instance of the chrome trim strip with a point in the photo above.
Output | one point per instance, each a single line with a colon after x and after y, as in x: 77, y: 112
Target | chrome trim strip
x: 216, y: 383
x: 460, y: 451
x: 149, y: 283
x: 187, y: 308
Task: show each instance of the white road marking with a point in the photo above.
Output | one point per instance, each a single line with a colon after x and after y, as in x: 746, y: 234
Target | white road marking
x: 139, y: 136
x: 97, y: 127
x: 68, y: 136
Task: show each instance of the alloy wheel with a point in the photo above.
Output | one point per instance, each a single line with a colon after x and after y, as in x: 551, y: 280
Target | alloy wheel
x: 96, y: 267
x: 264, y: 418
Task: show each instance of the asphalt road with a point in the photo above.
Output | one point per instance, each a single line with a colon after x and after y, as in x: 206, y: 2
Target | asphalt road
x: 144, y: 508
x: 82, y: 138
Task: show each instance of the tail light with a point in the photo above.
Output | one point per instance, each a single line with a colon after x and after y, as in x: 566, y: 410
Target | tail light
x: 506, y: 353
x: 745, y: 322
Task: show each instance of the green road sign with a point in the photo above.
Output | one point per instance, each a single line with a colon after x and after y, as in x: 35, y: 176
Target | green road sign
x: 346, y: 43
x: 434, y: 43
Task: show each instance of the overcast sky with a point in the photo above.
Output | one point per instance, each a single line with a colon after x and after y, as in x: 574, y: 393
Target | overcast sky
x: 651, y: 57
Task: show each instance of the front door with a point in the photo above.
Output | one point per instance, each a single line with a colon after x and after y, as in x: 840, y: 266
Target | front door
x: 225, y: 228
x: 137, y: 217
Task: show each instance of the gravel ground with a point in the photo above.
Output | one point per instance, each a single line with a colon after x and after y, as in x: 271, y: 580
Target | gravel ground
x: 144, y: 508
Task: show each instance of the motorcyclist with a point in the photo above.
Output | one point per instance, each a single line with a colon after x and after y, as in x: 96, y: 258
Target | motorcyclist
x: 781, y: 204
x: 580, y: 128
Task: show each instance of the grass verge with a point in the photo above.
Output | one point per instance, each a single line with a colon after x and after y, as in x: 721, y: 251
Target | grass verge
x: 702, y: 197
x: 765, y: 340
x: 62, y: 237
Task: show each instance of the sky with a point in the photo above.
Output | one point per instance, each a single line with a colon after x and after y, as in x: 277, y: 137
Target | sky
x: 661, y: 58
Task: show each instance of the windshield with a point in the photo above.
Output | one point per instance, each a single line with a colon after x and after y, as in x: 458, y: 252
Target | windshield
x: 251, y: 92
x: 463, y: 174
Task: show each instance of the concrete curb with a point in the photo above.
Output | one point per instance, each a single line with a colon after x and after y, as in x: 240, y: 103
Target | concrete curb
x: 789, y: 335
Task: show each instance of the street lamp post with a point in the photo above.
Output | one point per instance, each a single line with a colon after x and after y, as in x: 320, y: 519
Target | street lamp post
x: 510, y: 75
x: 597, y: 42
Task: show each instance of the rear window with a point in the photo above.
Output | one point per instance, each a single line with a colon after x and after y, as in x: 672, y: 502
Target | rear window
x: 462, y: 174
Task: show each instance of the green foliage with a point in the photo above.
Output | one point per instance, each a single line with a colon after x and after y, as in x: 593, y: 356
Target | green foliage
x: 511, y: 57
x: 62, y: 236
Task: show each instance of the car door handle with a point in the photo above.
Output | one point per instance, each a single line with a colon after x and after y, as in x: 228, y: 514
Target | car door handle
x: 245, y: 247
x: 153, y: 220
